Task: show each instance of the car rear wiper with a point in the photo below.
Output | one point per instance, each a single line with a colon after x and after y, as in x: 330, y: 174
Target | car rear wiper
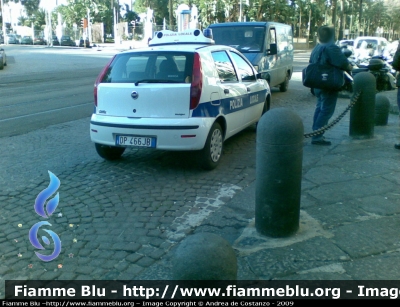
x: 155, y: 81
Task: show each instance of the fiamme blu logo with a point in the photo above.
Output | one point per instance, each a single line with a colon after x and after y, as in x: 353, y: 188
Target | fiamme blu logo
x: 46, y: 211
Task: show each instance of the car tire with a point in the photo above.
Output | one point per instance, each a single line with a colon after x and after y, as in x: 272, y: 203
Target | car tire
x: 210, y: 155
x: 109, y: 152
x: 283, y: 87
x: 267, y: 105
x: 266, y: 108
x: 1, y: 64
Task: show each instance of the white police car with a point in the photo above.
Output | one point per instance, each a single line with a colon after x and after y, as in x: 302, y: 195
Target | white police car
x: 182, y: 92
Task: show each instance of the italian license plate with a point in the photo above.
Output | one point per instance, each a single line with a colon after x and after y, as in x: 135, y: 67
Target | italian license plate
x: 134, y: 140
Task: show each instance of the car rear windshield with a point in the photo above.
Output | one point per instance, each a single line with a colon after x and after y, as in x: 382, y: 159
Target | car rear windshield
x: 367, y: 43
x: 151, y: 67
x: 246, y: 39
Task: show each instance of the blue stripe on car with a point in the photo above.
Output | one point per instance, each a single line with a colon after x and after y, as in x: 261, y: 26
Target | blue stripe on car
x: 228, y: 105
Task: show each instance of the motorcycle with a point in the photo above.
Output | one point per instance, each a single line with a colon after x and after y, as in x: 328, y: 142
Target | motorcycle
x: 380, y: 68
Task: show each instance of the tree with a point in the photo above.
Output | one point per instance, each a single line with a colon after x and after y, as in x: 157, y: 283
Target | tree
x: 160, y: 8
x: 130, y: 15
x: 31, y: 6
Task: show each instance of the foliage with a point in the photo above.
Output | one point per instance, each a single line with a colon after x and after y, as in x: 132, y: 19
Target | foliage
x: 305, y: 16
x: 159, y: 7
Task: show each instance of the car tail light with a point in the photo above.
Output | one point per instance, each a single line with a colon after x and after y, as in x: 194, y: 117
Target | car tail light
x: 197, y: 82
x: 100, y: 78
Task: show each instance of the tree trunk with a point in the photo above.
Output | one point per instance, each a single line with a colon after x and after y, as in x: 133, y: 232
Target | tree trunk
x: 334, y: 9
x: 342, y: 21
x: 170, y: 15
x: 360, y: 18
x: 260, y: 11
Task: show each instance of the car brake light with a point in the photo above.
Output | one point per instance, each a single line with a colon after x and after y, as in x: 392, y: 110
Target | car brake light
x: 100, y: 78
x: 197, y: 82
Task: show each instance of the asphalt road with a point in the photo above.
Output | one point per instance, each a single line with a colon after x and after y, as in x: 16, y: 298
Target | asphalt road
x: 42, y: 86
x: 115, y: 219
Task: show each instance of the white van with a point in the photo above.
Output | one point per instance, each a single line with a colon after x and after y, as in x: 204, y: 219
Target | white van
x: 267, y: 45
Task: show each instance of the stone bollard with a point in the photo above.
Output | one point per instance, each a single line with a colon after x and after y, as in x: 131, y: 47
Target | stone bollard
x: 204, y: 256
x: 362, y: 114
x: 279, y: 155
x: 382, y: 108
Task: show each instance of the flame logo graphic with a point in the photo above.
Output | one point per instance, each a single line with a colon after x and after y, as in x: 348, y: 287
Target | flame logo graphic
x: 40, y: 210
x: 45, y: 194
x: 35, y: 242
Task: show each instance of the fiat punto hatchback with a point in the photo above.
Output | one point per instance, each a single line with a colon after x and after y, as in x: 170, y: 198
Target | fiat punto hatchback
x: 182, y: 92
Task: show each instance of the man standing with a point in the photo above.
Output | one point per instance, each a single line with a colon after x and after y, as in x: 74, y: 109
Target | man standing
x: 329, y: 54
x: 396, y: 65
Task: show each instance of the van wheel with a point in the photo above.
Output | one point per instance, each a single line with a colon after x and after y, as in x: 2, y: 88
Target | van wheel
x: 109, y: 152
x: 283, y: 87
x: 210, y: 155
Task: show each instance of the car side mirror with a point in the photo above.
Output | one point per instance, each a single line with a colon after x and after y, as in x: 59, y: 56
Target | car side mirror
x: 258, y: 76
x: 273, y: 49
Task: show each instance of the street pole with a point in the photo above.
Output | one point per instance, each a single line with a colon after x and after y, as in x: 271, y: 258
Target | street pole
x: 89, y: 28
x: 170, y: 15
x: 3, y: 27
x: 50, y: 30
x: 116, y: 38
x: 240, y: 13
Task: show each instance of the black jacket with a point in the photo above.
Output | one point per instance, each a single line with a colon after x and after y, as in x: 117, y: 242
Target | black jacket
x: 331, y: 54
x: 396, y: 59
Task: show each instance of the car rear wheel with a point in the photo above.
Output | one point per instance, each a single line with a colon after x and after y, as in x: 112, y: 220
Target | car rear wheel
x: 1, y: 64
x: 211, y: 154
x: 109, y: 152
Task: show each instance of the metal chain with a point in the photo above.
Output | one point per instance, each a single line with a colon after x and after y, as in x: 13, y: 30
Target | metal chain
x: 353, y: 101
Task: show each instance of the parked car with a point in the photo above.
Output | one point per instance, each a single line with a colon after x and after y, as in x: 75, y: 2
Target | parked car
x: 27, y: 40
x: 1, y: 39
x: 19, y: 38
x: 182, y: 92
x: 346, y: 43
x: 84, y: 43
x: 267, y: 45
x: 12, y: 39
x: 368, y: 46
x: 56, y: 42
x: 39, y: 40
x: 67, y: 41
x: 3, y: 58
x: 392, y: 47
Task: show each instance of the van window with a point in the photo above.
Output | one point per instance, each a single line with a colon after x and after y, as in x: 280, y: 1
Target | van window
x: 246, y: 39
x: 152, y: 67
x: 224, y: 66
x: 245, y: 72
x: 283, y: 39
x: 272, y: 36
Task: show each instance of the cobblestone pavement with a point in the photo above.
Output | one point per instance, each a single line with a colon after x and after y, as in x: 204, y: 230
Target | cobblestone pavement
x: 116, y: 219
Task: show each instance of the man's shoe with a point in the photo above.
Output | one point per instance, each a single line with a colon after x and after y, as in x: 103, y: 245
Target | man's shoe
x: 321, y: 142
x: 397, y: 146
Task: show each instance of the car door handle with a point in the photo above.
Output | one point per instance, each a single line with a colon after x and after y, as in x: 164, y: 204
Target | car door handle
x: 248, y: 89
x: 226, y: 91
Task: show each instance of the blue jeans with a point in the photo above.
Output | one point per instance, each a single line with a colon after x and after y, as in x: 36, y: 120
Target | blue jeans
x: 326, y: 104
x: 398, y: 98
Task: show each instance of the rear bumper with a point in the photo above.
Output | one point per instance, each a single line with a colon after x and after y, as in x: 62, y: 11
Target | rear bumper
x: 171, y: 134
